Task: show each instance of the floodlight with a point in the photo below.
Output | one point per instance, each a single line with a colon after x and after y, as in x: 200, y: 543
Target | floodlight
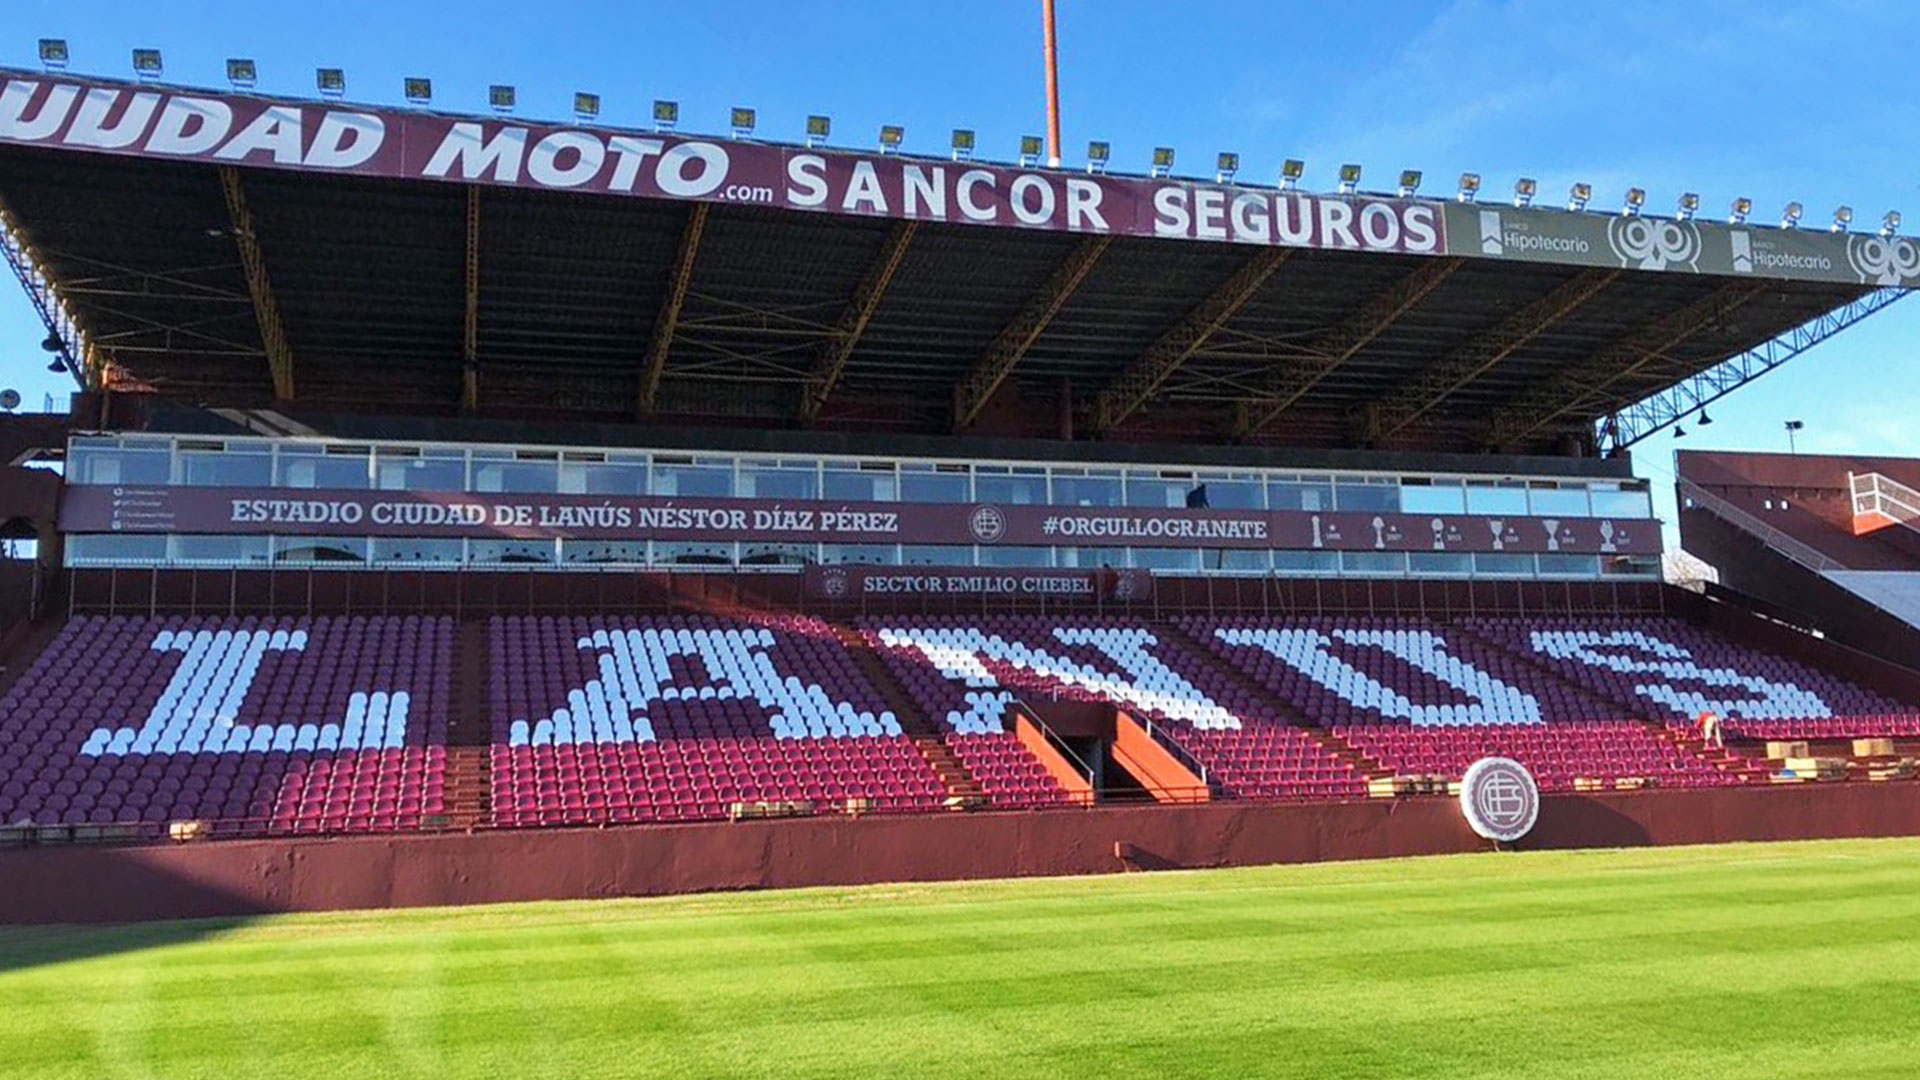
x: 1742, y: 206
x: 53, y: 52
x: 500, y: 97
x: 586, y: 105
x: 51, y: 343
x: 1409, y: 182
x: 57, y: 365
x: 1636, y: 198
x: 146, y: 63
x: 1225, y: 165
x: 962, y: 144
x: 1679, y: 431
x: 741, y: 121
x: 1162, y: 160
x: 1469, y: 186
x: 891, y: 135
x: 1349, y: 178
x: 1097, y: 154
x: 1291, y: 170
x: 1689, y: 203
x: 1523, y: 190
x: 1842, y: 218
x: 1030, y: 147
x: 1890, y: 224
x: 1790, y: 217
x: 1704, y: 418
x: 818, y: 128
x: 332, y: 82
x: 419, y: 91
x: 1579, y: 195
x: 665, y: 115
x: 242, y: 73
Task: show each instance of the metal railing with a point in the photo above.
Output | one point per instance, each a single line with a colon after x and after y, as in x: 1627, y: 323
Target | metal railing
x: 1874, y: 493
x: 1180, y: 754
x: 1798, y: 550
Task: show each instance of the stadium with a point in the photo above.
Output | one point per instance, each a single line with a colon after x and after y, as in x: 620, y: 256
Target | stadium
x: 459, y: 510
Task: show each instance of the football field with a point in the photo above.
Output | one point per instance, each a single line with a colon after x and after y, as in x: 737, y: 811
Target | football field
x: 1783, y: 960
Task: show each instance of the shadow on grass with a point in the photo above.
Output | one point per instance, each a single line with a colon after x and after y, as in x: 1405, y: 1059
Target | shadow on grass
x: 71, y: 903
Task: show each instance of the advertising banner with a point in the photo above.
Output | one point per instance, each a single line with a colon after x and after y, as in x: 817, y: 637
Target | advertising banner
x: 63, y: 112
x: 296, y: 512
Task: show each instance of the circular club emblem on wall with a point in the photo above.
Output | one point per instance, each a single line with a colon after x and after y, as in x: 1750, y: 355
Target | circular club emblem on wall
x: 987, y: 524
x: 1653, y: 243
x: 834, y: 583
x: 1500, y: 799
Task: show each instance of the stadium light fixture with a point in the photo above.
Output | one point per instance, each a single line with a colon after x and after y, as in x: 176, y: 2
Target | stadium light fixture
x: 1890, y: 224
x: 242, y: 73
x: 1469, y: 187
x: 962, y: 144
x: 419, y: 91
x: 500, y: 98
x: 1679, y: 431
x: 53, y: 53
x: 1349, y: 178
x: 51, y: 343
x: 891, y: 136
x: 586, y: 106
x: 1226, y: 165
x: 146, y: 64
x: 1742, y: 206
x: 742, y: 121
x: 1523, y: 190
x: 666, y: 114
x: 1409, y: 182
x: 1794, y: 428
x: 331, y: 82
x: 1842, y: 219
x: 1162, y: 160
x: 1704, y: 418
x: 1579, y: 195
x: 1291, y: 170
x: 1689, y: 204
x: 818, y: 128
x: 1098, y: 152
x: 1790, y: 217
x: 1030, y: 147
x: 1636, y: 198
x: 57, y: 365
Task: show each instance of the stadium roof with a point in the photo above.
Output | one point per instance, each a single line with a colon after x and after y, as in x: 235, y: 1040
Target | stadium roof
x: 237, y: 251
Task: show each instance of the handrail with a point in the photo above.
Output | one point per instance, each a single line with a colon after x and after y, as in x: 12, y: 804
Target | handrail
x: 1054, y: 738
x: 1798, y: 550
x: 1881, y: 491
x: 1180, y: 753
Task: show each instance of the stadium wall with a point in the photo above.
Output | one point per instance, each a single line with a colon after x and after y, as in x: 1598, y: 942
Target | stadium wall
x: 242, y: 878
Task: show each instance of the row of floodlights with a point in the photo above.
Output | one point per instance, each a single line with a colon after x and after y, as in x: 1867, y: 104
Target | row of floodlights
x: 332, y: 82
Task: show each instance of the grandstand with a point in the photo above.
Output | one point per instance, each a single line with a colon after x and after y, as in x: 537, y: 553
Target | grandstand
x: 634, y: 512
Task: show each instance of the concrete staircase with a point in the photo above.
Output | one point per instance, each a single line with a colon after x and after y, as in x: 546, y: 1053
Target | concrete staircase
x: 963, y: 790
x: 469, y: 792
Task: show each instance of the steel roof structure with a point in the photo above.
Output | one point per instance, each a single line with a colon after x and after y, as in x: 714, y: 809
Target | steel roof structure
x: 240, y: 284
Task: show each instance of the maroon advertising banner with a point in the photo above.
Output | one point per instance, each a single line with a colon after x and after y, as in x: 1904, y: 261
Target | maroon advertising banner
x: 153, y: 121
x: 294, y: 512
x: 855, y: 582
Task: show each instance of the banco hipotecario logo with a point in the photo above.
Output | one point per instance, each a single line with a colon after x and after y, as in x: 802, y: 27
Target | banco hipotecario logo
x: 1654, y: 243
x: 1500, y: 799
x: 1884, y: 260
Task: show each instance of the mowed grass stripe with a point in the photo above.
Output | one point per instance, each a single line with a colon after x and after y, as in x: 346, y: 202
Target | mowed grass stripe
x: 1718, y: 961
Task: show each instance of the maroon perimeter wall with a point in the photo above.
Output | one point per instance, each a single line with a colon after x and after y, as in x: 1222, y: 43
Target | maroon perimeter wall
x: 237, y: 878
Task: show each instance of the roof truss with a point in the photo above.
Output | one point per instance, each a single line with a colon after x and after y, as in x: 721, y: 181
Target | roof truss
x: 971, y: 394
x: 832, y: 360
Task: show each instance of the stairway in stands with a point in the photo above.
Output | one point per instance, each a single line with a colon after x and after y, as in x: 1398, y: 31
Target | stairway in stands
x: 469, y: 790
x: 1333, y: 744
x: 961, y: 786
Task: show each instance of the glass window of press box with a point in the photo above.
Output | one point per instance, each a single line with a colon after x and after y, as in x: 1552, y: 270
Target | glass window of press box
x: 340, y: 465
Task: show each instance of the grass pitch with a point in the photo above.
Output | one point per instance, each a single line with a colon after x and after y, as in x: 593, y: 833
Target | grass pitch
x: 1747, y: 960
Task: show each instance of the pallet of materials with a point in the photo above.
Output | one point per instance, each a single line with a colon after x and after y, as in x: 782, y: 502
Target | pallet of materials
x: 1782, y: 750
x: 1873, y: 748
x: 768, y: 808
x: 1898, y: 770
x: 1816, y: 768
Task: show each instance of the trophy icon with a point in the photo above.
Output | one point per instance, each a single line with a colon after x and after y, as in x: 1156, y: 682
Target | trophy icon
x: 1607, y: 534
x: 1439, y: 534
x: 1552, y: 525
x: 1498, y: 526
x: 1318, y: 540
x: 1379, y: 531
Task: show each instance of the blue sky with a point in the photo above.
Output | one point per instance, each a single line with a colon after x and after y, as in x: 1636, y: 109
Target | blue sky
x: 1777, y: 101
